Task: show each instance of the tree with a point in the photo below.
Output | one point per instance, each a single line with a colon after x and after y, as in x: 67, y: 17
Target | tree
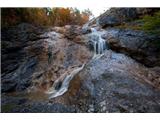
x: 44, y: 16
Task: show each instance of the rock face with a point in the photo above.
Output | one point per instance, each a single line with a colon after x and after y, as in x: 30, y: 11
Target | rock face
x: 137, y: 44
x: 31, y: 57
x: 14, y: 57
x: 123, y: 77
x: 116, y: 16
x: 114, y: 85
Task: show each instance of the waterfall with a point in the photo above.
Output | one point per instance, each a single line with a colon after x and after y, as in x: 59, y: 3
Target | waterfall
x: 99, y: 44
x: 61, y: 85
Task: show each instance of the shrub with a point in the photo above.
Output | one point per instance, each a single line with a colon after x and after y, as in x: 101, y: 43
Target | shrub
x: 151, y: 23
x: 147, y: 23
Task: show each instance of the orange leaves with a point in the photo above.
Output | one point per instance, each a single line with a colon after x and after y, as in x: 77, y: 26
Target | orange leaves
x: 40, y: 16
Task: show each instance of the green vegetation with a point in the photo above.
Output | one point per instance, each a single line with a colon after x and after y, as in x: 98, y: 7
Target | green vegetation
x: 44, y: 16
x: 148, y: 23
x: 151, y: 23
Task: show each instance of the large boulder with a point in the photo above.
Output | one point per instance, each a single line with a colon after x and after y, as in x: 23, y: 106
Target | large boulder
x: 117, y: 16
x: 143, y: 47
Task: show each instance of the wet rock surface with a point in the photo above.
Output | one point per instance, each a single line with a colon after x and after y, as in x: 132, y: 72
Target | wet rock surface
x: 39, y: 61
x: 113, y: 83
x: 34, y: 58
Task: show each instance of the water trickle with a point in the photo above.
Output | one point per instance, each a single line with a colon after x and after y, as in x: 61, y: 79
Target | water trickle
x: 61, y: 85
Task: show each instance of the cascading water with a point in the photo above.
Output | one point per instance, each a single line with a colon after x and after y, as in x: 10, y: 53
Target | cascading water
x: 61, y: 85
x: 99, y: 44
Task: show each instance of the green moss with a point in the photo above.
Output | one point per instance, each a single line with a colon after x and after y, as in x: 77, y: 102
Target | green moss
x: 8, y: 107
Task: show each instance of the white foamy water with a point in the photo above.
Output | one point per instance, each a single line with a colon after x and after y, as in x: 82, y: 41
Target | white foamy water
x: 65, y: 79
x: 99, y: 44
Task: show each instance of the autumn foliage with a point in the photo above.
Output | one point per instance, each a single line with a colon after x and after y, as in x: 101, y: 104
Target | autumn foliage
x: 44, y: 16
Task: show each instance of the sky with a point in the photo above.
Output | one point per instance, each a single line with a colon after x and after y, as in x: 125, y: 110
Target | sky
x: 97, y: 6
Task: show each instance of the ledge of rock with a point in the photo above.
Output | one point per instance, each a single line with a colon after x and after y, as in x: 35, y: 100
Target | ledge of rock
x: 137, y: 44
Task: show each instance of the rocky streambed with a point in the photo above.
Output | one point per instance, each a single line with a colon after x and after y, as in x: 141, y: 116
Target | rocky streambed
x: 79, y: 69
